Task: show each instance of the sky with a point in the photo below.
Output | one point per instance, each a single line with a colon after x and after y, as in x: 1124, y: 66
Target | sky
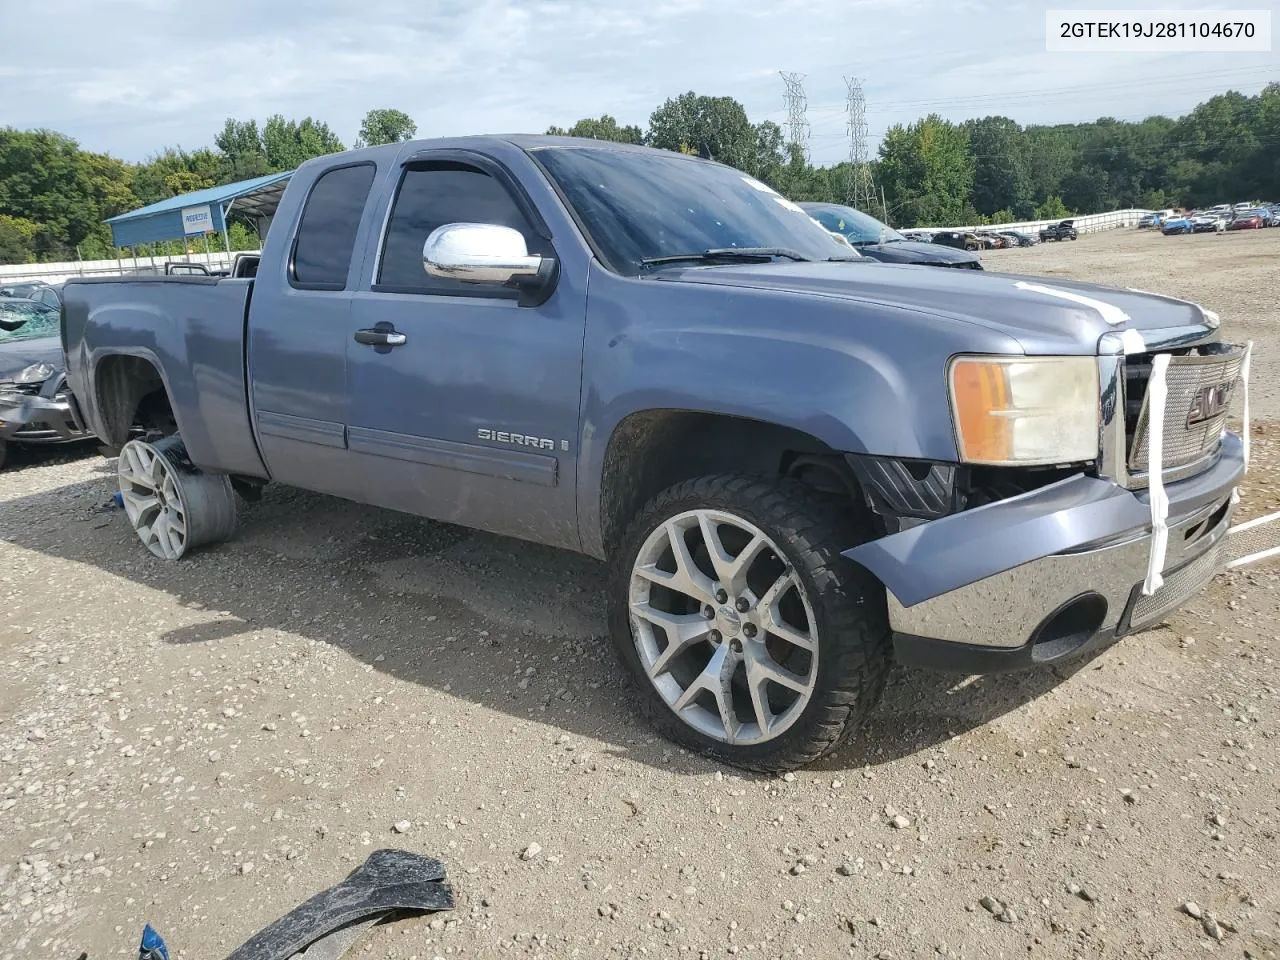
x: 130, y: 77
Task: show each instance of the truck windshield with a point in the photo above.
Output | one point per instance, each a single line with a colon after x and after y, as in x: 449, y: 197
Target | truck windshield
x: 642, y: 206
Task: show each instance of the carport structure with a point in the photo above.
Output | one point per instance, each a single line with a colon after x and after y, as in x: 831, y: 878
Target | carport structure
x: 202, y: 212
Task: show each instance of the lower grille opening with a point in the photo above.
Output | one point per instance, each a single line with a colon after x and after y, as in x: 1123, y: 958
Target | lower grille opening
x: 1069, y: 627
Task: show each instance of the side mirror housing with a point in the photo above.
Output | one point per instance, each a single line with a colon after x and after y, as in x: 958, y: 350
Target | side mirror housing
x: 489, y: 253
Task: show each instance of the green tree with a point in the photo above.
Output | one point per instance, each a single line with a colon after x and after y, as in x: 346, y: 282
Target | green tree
x: 1052, y: 209
x: 714, y: 128
x: 927, y: 172
x: 46, y: 179
x: 604, y: 128
x: 290, y: 143
x: 16, y: 239
x: 174, y: 171
x: 1001, y: 166
x: 244, y: 155
x: 386, y: 126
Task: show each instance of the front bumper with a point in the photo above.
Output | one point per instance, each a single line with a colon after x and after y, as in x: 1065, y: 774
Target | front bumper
x: 1048, y: 575
x: 25, y: 418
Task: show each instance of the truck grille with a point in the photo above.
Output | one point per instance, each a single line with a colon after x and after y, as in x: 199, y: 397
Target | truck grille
x: 1201, y: 384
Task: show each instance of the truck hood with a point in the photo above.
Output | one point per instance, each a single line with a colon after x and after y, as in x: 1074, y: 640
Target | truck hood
x: 1031, y: 310
x: 20, y: 354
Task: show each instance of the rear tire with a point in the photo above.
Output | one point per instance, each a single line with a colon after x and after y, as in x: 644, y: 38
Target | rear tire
x: 172, y: 505
x: 769, y: 658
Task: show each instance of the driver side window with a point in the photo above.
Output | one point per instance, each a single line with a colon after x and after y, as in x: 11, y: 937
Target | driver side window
x: 431, y: 196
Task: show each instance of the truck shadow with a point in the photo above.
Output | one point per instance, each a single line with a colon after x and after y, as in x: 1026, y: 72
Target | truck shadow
x: 511, y: 626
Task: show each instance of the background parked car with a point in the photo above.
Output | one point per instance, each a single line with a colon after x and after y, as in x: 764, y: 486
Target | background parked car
x: 1209, y: 223
x: 1016, y: 239
x: 958, y: 239
x: 35, y: 405
x: 1175, y: 225
x: 873, y: 239
x: 1247, y: 220
x: 1065, y: 230
x: 50, y: 294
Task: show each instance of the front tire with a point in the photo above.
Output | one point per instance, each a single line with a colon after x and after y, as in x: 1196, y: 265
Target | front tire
x: 173, y: 506
x: 750, y: 638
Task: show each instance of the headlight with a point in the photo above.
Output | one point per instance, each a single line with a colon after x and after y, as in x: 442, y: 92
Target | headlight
x: 36, y: 373
x: 1020, y: 411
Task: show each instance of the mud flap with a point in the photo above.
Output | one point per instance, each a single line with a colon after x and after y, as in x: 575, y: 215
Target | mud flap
x: 387, y: 882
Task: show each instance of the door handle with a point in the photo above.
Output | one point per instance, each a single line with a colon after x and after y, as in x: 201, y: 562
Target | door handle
x: 381, y: 337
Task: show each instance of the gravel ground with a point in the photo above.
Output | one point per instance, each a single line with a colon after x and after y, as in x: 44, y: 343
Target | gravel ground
x: 204, y: 745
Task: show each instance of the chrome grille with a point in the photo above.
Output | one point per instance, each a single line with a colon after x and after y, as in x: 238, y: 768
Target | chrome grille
x: 1178, y: 587
x: 1189, y: 373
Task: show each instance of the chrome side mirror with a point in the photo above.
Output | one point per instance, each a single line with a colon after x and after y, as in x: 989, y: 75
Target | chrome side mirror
x: 478, y: 253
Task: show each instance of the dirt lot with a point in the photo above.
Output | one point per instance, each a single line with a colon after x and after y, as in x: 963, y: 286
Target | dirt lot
x: 204, y: 745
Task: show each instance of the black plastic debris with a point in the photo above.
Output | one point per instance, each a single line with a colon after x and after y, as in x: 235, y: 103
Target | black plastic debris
x: 388, y: 883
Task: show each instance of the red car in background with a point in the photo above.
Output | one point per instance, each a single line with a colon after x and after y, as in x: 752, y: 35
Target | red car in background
x: 1247, y: 220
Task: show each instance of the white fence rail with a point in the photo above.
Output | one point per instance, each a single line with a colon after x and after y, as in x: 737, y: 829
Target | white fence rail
x: 1090, y: 223
x: 57, y: 272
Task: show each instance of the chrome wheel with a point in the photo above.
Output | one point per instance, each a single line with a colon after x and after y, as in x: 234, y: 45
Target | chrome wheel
x: 171, y: 506
x: 723, y: 628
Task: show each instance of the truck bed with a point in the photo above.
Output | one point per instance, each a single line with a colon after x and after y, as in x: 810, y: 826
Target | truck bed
x: 190, y: 327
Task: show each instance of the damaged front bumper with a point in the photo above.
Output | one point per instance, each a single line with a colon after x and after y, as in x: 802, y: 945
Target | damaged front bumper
x: 1050, y: 574
x: 40, y: 419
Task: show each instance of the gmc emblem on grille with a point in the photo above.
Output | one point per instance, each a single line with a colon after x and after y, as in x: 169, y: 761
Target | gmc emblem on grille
x: 1209, y: 402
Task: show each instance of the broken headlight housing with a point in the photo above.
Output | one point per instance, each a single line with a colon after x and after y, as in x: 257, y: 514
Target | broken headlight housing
x: 35, y: 373
x: 1025, y: 411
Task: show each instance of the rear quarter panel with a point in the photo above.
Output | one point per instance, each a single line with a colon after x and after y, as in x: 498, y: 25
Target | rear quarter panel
x: 192, y: 330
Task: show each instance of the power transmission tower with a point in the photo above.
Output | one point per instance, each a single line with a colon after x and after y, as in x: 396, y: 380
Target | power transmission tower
x: 796, y: 104
x: 859, y: 189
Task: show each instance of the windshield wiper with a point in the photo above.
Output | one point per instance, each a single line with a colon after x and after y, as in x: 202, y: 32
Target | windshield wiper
x: 753, y: 254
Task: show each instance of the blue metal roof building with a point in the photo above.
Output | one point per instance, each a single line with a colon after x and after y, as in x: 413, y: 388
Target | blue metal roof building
x: 198, y: 213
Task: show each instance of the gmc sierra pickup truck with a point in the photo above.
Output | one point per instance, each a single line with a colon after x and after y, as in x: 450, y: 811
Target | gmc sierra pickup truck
x: 798, y: 462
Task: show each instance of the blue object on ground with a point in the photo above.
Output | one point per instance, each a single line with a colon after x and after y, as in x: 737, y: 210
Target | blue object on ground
x: 153, y: 945
x: 118, y: 497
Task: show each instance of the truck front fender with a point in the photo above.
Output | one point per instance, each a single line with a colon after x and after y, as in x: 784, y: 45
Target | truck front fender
x: 855, y: 377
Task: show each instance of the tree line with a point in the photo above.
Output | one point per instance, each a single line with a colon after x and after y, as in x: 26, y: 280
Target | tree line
x: 54, y: 195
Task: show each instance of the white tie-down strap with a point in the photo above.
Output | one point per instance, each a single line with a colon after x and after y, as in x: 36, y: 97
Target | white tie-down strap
x: 1157, y: 393
x: 1109, y: 311
x: 1244, y: 385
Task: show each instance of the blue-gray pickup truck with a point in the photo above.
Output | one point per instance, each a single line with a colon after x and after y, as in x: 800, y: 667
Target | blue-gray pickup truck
x: 798, y: 462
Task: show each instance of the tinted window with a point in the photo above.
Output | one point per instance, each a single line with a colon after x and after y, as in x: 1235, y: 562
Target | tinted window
x: 638, y: 205
x: 330, y: 220
x: 432, y: 196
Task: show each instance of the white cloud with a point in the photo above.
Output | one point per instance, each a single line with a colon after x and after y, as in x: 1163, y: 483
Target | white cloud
x: 132, y: 76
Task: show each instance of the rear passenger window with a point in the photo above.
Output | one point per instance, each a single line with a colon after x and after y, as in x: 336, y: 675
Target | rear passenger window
x: 432, y: 196
x: 327, y: 231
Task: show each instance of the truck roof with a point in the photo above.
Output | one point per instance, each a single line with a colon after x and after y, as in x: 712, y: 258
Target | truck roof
x: 525, y: 141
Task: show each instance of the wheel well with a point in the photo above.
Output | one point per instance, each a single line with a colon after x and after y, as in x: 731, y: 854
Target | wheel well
x: 131, y: 393
x: 652, y: 450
